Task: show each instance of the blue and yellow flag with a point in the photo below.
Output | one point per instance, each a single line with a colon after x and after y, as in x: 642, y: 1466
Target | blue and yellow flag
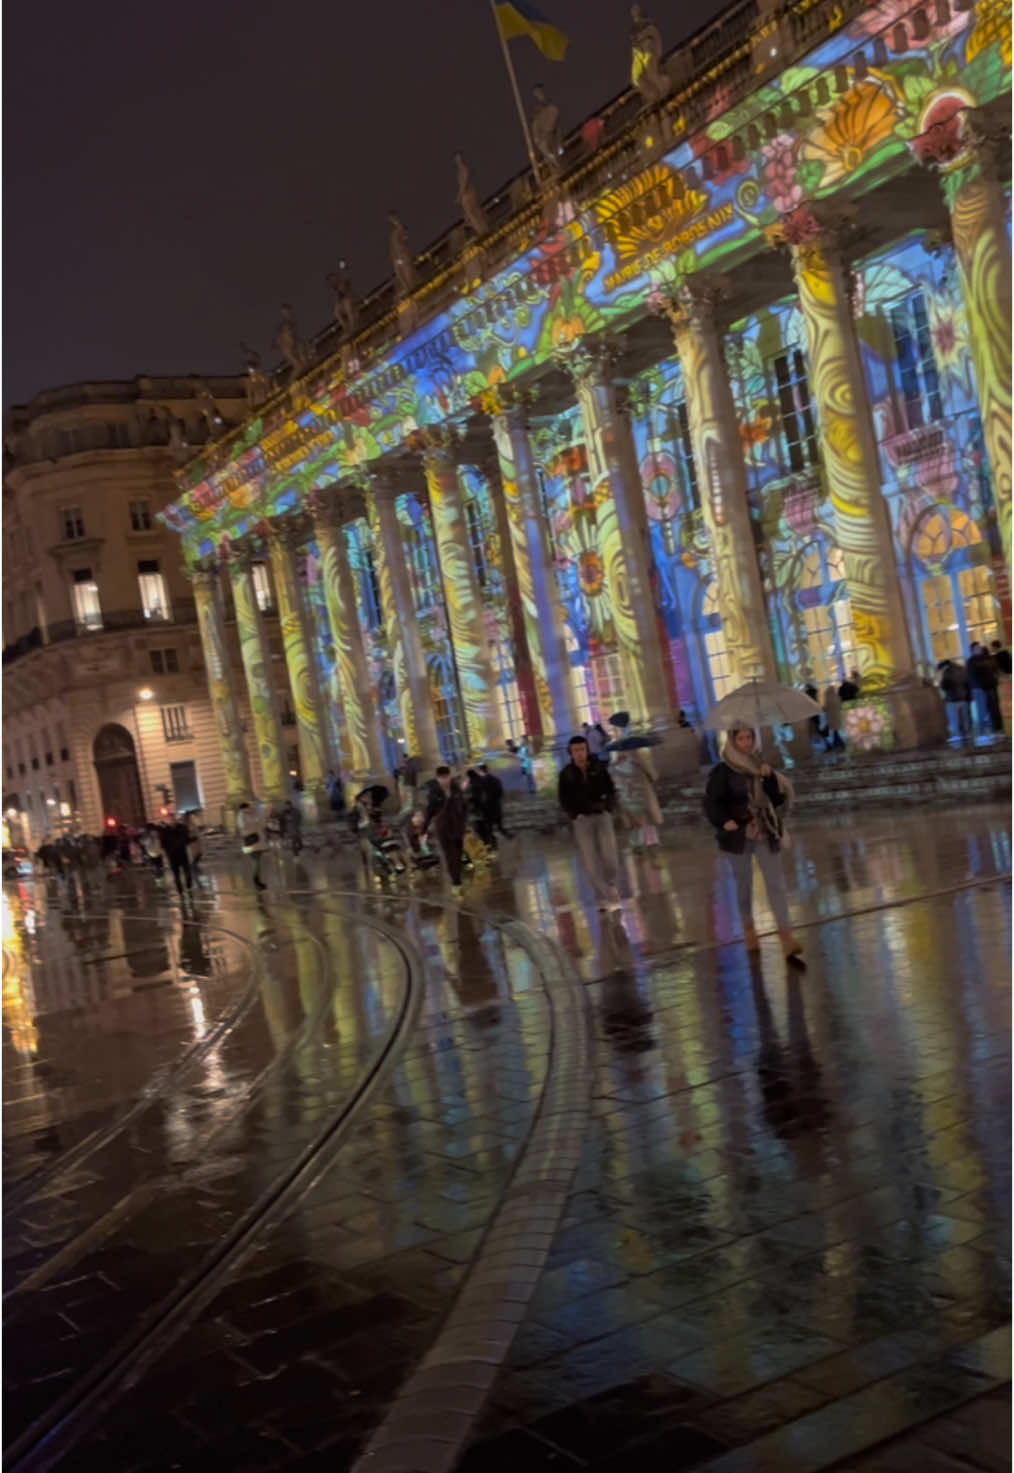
x: 518, y: 18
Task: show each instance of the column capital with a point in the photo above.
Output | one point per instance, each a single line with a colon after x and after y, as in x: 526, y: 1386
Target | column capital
x: 204, y: 574
x: 695, y: 301
x: 588, y: 359
x: 325, y: 509
x: 288, y: 531
x: 507, y: 400
x: 812, y: 233
x: 954, y: 136
x: 242, y: 556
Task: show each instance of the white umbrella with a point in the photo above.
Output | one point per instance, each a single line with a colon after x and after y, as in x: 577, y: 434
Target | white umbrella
x: 761, y: 703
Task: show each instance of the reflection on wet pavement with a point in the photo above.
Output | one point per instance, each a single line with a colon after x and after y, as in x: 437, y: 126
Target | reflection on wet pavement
x: 786, y: 1241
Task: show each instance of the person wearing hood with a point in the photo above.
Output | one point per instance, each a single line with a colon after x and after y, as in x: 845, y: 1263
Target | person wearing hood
x: 745, y: 801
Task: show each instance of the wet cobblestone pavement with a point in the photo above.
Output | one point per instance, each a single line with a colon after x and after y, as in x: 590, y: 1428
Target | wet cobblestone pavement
x: 643, y: 1200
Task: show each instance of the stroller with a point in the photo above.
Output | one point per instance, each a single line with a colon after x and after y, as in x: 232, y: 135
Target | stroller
x: 379, y: 841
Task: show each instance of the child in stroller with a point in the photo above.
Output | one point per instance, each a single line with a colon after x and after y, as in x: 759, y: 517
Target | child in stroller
x: 379, y: 841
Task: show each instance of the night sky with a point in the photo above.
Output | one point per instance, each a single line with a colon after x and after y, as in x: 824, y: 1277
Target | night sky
x: 170, y: 182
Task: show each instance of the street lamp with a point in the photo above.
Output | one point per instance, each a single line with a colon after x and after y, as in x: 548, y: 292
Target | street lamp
x: 144, y: 694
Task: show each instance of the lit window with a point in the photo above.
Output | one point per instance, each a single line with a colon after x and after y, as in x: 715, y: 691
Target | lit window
x: 605, y: 681
x: 827, y: 615
x: 85, y: 596
x: 262, y: 587
x: 174, y: 724
x: 476, y: 540
x: 796, y: 410
x: 140, y: 516
x: 72, y: 522
x: 508, y: 695
x: 917, y: 369
x: 975, y: 586
x: 723, y: 678
x: 154, y: 596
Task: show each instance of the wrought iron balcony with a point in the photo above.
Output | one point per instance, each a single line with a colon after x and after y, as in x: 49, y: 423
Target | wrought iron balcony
x: 183, y: 611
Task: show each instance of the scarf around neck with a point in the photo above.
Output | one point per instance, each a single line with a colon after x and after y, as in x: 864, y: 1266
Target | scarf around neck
x: 764, y: 821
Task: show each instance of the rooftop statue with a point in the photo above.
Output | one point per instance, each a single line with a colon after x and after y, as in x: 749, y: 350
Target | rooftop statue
x: 546, y: 130
x: 346, y: 310
x: 288, y: 342
x: 468, y: 199
x: 647, y: 73
x: 258, y: 385
x: 401, y: 256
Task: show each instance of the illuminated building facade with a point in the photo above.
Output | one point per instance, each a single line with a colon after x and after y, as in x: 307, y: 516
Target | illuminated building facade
x: 105, y: 708
x: 728, y: 395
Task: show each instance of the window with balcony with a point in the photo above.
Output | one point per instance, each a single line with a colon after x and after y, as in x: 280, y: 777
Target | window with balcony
x: 795, y: 408
x: 919, y: 380
x: 154, y: 594
x: 262, y: 587
x: 85, y: 598
x: 175, y: 727
x: 72, y: 523
x: 164, y: 662
x: 140, y: 516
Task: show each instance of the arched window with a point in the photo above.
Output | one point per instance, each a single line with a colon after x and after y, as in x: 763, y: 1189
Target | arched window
x: 951, y: 568
x: 823, y: 602
x: 716, y: 654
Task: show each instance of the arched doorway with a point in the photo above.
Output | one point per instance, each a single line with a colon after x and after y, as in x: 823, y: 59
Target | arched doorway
x: 119, y: 781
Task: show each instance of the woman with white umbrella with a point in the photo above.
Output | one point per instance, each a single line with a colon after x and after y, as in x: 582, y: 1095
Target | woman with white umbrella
x: 745, y: 800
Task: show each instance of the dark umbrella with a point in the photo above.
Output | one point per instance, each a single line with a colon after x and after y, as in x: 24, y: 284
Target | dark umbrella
x: 620, y: 719
x: 633, y: 743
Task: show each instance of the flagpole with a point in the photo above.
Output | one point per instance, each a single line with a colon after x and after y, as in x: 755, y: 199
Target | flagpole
x: 517, y: 95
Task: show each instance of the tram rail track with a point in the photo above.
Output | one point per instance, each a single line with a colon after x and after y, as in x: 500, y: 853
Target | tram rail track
x: 46, y: 1440
x: 163, y: 1082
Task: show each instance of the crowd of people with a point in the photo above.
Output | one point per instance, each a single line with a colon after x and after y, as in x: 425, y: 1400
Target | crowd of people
x: 971, y: 691
x: 175, y: 843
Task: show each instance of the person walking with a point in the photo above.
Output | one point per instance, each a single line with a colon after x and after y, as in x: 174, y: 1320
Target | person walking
x: 447, y: 816
x: 596, y: 738
x: 956, y: 691
x: 984, y: 679
x: 833, y: 739
x: 587, y: 796
x: 525, y: 758
x: 478, y: 804
x: 291, y: 819
x: 1001, y: 658
x: 494, y: 799
x: 743, y: 800
x: 176, y: 844
x: 849, y: 688
x: 251, y: 837
x: 634, y: 781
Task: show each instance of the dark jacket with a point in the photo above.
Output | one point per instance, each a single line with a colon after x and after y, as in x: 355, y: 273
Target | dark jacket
x: 1002, y: 658
x: 588, y: 792
x: 175, y: 840
x: 726, y: 797
x: 446, y: 813
x: 848, y: 690
x: 954, y: 683
x: 982, y: 672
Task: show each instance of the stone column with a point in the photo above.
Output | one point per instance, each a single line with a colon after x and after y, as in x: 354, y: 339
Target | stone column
x: 361, y: 754
x: 721, y: 477
x: 224, y: 706
x: 299, y: 662
x: 465, y: 615
x: 411, y: 681
x: 851, y: 461
x: 256, y: 656
x: 623, y: 534
x: 541, y: 608
x: 968, y: 173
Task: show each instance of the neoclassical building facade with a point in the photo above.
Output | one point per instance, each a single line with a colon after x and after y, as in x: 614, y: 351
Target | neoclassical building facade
x: 725, y: 392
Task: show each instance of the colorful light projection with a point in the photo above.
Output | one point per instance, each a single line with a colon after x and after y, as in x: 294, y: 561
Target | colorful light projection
x: 257, y: 670
x: 849, y: 111
x: 299, y: 661
x: 207, y: 598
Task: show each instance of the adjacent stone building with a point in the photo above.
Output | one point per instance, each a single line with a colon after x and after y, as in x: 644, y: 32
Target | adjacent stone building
x: 106, y: 711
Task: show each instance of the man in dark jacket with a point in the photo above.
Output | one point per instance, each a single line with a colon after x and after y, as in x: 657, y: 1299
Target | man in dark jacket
x: 984, y: 679
x: 447, y: 817
x: 954, y: 684
x: 1001, y: 657
x: 587, y: 796
x: 494, y: 798
x: 176, y: 848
